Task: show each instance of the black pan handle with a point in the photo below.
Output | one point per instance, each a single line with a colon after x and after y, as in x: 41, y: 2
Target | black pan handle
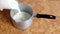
x: 46, y: 16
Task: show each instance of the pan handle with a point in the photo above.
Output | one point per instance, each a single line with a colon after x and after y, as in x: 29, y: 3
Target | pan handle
x: 45, y: 16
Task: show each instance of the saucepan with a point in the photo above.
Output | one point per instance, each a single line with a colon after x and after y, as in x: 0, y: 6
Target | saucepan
x: 27, y: 23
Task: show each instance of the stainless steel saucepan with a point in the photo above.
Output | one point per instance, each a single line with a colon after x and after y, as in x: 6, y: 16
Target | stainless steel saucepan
x: 28, y: 9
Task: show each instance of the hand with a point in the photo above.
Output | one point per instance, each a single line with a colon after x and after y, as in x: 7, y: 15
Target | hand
x: 1, y: 9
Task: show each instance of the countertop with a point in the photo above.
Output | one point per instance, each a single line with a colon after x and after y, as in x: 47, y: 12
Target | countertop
x: 39, y: 25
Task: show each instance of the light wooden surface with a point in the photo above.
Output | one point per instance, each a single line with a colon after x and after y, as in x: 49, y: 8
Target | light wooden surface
x: 39, y: 25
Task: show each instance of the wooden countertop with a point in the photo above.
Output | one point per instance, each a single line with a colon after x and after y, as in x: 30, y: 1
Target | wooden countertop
x: 39, y: 25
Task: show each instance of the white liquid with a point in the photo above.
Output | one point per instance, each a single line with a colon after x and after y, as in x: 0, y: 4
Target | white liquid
x: 10, y: 4
x: 20, y: 18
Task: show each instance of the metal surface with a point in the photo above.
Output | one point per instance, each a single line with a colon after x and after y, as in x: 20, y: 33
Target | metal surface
x: 24, y: 24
